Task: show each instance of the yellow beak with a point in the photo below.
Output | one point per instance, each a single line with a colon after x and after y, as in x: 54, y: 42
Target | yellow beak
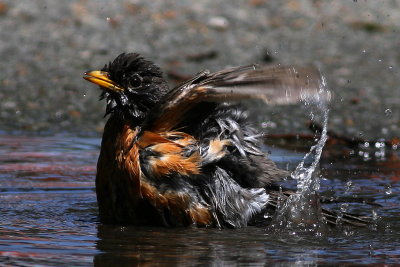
x: 102, y: 79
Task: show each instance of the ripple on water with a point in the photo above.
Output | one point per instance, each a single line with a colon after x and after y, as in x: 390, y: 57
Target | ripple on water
x: 49, y: 215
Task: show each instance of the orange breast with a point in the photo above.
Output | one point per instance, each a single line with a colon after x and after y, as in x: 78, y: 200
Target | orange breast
x: 122, y: 187
x: 168, y: 156
x: 118, y: 173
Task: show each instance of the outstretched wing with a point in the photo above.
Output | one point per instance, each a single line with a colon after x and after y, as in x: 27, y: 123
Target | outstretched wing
x: 274, y: 85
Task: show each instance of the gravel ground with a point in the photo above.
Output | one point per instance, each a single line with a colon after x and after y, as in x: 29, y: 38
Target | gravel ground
x: 46, y: 45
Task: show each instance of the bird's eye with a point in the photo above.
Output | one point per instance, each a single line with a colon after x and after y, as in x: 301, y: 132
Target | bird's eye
x: 135, y: 81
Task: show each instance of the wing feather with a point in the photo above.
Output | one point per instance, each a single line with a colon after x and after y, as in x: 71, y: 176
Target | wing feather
x: 274, y: 85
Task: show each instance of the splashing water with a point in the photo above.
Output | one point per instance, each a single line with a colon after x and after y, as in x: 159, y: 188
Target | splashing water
x: 302, y: 210
x: 306, y: 181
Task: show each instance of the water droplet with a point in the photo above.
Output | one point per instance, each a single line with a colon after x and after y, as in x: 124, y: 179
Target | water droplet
x: 380, y: 154
x: 366, y: 156
x: 388, y: 112
x: 348, y: 232
x: 84, y: 94
x: 379, y: 145
x: 344, y: 207
x: 388, y: 189
x: 374, y: 215
x: 349, y: 185
x: 268, y: 124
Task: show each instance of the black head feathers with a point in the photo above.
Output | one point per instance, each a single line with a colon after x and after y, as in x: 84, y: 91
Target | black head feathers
x: 131, y: 63
x: 138, y: 86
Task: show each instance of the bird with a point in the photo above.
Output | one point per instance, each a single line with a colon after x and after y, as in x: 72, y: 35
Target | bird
x: 188, y: 155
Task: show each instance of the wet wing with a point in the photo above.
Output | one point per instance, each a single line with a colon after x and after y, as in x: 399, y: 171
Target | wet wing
x: 274, y: 85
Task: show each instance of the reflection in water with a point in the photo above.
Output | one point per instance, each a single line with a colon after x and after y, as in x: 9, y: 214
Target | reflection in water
x: 189, y: 246
x: 131, y: 246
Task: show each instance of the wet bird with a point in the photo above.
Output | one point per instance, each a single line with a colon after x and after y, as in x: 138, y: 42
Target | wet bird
x: 188, y: 155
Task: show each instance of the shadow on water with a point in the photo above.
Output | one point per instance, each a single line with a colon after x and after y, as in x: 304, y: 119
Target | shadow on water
x: 49, y: 214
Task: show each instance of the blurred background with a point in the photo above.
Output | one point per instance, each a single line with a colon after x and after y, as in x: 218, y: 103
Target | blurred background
x: 46, y: 45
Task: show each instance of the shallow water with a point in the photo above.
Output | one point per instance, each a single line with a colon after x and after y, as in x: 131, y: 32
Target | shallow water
x: 48, y: 214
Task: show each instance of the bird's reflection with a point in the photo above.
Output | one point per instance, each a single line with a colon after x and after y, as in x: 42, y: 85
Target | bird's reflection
x: 131, y: 246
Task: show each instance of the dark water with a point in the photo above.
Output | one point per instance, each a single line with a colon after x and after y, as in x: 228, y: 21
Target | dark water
x: 48, y: 214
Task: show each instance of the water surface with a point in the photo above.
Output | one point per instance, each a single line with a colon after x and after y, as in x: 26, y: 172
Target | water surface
x: 48, y: 213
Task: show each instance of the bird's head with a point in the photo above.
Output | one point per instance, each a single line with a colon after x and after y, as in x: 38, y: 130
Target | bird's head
x: 131, y: 86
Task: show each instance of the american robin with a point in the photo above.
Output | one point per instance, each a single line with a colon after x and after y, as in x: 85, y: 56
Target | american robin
x: 188, y: 155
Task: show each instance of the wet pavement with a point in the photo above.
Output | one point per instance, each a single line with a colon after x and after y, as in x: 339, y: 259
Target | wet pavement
x: 45, y: 47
